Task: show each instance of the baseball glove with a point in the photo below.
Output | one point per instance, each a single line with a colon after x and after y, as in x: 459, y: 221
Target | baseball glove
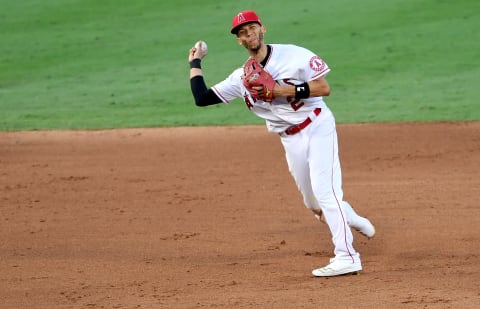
x: 254, y: 77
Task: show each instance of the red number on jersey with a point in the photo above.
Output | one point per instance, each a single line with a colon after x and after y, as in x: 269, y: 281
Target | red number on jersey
x: 248, y: 102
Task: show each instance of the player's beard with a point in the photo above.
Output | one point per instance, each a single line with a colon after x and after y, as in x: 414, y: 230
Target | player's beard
x: 257, y: 47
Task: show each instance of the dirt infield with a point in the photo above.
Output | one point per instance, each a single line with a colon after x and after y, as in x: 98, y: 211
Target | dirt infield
x: 210, y: 217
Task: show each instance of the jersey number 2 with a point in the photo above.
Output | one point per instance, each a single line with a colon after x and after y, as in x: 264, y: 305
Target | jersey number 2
x: 247, y: 101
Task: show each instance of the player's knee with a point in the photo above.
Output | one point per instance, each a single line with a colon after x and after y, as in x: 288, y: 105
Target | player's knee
x: 326, y: 198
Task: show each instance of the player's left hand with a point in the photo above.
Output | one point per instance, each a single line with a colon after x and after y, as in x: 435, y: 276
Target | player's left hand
x: 258, y: 82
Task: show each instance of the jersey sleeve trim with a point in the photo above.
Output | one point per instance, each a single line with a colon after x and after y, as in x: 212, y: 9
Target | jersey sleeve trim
x: 321, y: 73
x: 219, y: 95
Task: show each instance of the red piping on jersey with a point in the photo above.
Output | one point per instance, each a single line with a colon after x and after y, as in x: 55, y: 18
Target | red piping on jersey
x: 321, y: 73
x: 339, y: 206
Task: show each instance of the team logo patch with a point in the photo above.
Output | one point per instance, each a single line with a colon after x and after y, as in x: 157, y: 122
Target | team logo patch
x: 317, y: 64
x: 240, y: 18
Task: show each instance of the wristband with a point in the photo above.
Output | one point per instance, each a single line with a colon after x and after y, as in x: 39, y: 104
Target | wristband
x: 302, y: 91
x: 195, y: 64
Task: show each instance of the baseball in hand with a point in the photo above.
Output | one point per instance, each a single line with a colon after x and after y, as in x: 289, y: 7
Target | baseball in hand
x: 203, y: 48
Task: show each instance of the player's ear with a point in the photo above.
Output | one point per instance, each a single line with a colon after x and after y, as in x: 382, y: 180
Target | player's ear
x: 263, y: 29
x: 239, y: 41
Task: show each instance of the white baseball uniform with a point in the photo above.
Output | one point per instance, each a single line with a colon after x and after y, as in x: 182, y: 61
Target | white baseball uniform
x: 312, y: 152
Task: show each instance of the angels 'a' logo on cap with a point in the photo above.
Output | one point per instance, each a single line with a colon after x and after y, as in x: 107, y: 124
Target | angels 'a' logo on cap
x: 317, y: 64
x: 240, y: 18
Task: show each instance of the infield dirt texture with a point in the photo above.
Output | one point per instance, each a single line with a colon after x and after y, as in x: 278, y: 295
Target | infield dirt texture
x: 210, y: 218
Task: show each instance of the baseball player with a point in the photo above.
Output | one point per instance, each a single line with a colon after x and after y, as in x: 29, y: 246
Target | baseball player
x: 285, y: 85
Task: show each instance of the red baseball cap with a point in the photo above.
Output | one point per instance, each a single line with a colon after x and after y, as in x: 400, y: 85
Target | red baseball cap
x: 244, y: 17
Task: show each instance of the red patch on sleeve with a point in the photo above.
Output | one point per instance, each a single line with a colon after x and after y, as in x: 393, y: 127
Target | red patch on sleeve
x: 317, y: 64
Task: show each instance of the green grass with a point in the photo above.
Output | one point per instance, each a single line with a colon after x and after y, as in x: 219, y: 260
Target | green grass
x: 76, y: 64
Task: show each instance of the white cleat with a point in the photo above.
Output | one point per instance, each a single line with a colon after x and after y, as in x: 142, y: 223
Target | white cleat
x: 364, y: 227
x: 338, y: 268
x: 320, y: 218
x: 359, y: 223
